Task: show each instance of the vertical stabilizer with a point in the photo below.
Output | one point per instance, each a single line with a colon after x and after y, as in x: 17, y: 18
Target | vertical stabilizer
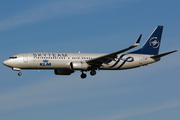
x: 151, y: 46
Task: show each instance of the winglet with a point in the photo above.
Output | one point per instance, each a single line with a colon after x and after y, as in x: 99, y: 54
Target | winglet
x: 138, y: 40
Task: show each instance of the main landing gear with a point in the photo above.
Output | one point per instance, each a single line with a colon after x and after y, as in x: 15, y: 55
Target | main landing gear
x: 92, y: 73
x: 83, y: 75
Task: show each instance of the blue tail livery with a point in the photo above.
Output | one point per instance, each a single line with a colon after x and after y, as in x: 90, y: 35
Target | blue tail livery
x: 151, y: 46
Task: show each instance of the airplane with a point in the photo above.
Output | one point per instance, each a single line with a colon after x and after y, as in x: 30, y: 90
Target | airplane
x: 68, y: 63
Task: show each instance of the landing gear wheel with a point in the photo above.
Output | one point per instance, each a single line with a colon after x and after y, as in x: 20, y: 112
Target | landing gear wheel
x: 83, y: 75
x: 19, y: 73
x: 93, y: 72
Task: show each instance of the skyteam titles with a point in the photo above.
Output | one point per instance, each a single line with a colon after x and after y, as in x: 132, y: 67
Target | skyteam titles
x: 49, y: 55
x: 46, y: 55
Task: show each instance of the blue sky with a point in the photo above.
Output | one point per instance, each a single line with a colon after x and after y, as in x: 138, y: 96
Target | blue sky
x: 92, y: 26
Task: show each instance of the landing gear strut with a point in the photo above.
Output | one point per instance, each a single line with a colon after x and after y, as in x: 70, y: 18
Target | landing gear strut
x: 83, y: 75
x: 19, y: 73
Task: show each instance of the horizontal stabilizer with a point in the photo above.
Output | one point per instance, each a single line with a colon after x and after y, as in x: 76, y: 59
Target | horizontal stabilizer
x: 162, y: 55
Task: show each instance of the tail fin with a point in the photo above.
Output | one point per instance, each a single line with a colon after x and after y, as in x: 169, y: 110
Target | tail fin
x: 151, y: 46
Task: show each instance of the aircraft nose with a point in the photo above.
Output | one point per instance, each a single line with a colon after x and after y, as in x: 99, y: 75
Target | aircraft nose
x: 5, y: 62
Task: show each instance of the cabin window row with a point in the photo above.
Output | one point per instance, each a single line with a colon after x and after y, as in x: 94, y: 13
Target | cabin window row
x: 63, y: 58
x: 50, y: 58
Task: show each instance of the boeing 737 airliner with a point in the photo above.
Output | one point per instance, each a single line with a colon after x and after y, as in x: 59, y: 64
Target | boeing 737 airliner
x: 67, y: 63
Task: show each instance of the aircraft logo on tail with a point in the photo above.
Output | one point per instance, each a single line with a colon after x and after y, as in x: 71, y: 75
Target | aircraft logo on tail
x: 154, y: 42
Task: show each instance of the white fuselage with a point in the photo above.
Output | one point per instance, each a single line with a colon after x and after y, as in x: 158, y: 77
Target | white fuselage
x: 63, y: 60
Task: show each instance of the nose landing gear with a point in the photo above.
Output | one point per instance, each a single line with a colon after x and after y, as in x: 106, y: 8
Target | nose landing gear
x: 19, y: 73
x: 17, y: 69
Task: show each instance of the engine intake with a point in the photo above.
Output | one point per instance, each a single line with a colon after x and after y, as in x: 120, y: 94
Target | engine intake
x: 79, y: 65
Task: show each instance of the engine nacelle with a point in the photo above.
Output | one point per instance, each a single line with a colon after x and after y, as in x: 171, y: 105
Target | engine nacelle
x: 79, y: 65
x: 63, y: 71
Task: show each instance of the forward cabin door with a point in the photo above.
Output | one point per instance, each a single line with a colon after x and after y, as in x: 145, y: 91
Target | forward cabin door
x: 25, y: 58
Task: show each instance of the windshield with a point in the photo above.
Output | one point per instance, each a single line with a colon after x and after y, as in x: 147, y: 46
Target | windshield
x: 12, y: 57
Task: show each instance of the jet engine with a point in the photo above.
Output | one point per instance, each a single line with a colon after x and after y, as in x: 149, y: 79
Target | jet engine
x: 79, y: 65
x: 63, y: 71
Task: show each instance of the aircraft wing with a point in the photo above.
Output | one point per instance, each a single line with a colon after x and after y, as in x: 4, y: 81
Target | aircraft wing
x: 97, y: 62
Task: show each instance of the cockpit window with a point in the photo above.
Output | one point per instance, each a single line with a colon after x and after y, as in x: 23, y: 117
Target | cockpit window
x: 12, y: 57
